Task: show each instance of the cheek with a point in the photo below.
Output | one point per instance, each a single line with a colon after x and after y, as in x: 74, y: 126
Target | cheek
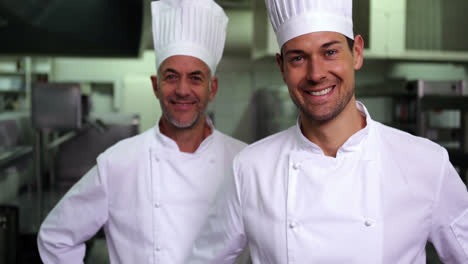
x: 165, y: 94
x: 342, y: 71
x: 293, y: 76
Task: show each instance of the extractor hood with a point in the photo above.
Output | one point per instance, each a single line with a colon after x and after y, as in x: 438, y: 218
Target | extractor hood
x: 103, y: 28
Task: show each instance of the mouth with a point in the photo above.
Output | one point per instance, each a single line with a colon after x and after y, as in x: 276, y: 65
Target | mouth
x: 183, y: 103
x: 321, y: 92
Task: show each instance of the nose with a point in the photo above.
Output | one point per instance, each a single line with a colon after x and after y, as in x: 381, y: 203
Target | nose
x: 183, y: 88
x: 316, y: 71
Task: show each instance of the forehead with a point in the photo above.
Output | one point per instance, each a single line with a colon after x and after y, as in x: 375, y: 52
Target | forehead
x: 313, y: 40
x: 184, y: 64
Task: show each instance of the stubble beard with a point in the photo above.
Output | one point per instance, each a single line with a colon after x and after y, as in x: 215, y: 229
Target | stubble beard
x: 180, y: 125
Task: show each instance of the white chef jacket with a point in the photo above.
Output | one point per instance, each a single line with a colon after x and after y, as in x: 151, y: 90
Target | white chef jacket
x: 379, y: 201
x: 151, y: 199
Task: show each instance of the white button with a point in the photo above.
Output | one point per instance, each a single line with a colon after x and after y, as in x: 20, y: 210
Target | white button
x: 156, y: 158
x: 369, y: 222
x: 158, y: 249
x: 296, y: 165
x: 292, y: 225
x: 157, y: 205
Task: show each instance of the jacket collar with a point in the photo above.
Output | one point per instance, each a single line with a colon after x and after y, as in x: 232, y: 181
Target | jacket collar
x: 362, y: 142
x: 169, y: 143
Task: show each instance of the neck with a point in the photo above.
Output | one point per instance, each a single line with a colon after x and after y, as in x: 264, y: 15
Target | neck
x: 188, y: 139
x: 330, y: 135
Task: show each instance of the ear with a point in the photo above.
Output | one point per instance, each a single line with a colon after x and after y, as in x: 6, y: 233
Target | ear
x: 154, y: 82
x: 214, y: 88
x: 279, y: 61
x: 358, y: 50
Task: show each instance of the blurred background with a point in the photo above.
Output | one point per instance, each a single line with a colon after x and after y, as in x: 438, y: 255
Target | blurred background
x: 75, y: 79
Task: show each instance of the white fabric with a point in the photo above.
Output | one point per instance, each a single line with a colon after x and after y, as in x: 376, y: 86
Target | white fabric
x: 379, y: 201
x: 293, y: 18
x: 151, y: 199
x: 191, y: 28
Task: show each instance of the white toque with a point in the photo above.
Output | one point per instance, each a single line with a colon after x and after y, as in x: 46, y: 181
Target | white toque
x: 293, y: 18
x: 189, y: 27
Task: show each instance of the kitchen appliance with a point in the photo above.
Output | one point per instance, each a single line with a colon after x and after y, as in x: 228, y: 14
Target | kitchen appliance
x: 8, y: 234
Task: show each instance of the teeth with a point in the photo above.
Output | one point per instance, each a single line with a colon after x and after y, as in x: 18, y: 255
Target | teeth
x: 323, y: 92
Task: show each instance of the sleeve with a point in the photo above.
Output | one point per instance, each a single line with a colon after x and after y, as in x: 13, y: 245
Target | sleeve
x: 222, y: 238
x: 449, y: 232
x: 75, y: 219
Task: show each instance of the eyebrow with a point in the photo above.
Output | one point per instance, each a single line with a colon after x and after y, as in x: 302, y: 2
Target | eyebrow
x: 324, y: 46
x: 328, y: 44
x: 176, y: 72
x: 196, y: 73
x: 296, y: 51
x: 170, y: 70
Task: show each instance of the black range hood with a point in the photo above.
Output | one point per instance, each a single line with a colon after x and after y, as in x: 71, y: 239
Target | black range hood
x: 95, y: 28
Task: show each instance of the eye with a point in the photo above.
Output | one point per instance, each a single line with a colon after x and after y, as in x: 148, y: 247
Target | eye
x: 296, y: 58
x: 330, y: 52
x: 196, y: 78
x: 170, y: 77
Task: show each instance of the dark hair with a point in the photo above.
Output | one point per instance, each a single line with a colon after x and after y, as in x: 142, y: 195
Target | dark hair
x: 350, y: 43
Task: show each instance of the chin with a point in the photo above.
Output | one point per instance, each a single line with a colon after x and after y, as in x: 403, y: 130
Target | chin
x: 184, y: 124
x: 321, y: 117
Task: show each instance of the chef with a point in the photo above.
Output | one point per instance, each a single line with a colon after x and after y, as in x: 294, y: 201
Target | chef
x: 338, y: 187
x: 151, y: 193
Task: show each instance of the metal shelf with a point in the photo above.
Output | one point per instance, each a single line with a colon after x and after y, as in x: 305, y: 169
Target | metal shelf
x: 454, y: 102
x: 12, y: 73
x: 12, y: 91
x: 8, y: 156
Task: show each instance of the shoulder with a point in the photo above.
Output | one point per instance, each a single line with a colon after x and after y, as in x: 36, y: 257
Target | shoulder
x: 405, y: 144
x: 418, y: 161
x: 231, y: 144
x: 270, y: 147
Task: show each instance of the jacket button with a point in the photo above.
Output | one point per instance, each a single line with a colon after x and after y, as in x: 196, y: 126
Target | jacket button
x: 369, y: 222
x: 296, y: 165
x: 292, y: 225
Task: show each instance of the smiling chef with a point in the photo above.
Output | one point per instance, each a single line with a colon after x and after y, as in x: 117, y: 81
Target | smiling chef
x: 338, y: 187
x: 151, y: 193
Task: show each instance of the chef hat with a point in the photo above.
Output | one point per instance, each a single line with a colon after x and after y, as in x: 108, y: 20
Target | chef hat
x: 189, y: 27
x: 293, y: 18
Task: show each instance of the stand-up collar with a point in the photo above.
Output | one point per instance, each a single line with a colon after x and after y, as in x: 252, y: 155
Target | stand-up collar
x: 169, y: 143
x: 353, y: 144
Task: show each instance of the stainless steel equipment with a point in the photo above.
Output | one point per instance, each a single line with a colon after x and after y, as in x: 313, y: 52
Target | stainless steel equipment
x: 275, y: 111
x: 56, y: 106
x: 8, y: 234
x: 77, y: 155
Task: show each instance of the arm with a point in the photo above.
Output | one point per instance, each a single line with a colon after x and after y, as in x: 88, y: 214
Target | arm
x: 450, y: 217
x: 222, y: 238
x: 74, y: 220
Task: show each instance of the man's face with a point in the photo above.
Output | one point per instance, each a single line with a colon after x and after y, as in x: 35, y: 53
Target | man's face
x: 184, y: 87
x: 318, y: 69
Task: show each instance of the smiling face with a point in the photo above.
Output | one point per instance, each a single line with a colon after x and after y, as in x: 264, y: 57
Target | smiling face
x: 318, y: 69
x: 184, y: 88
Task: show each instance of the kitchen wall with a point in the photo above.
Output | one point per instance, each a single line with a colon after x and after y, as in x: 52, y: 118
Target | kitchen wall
x: 129, y: 78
